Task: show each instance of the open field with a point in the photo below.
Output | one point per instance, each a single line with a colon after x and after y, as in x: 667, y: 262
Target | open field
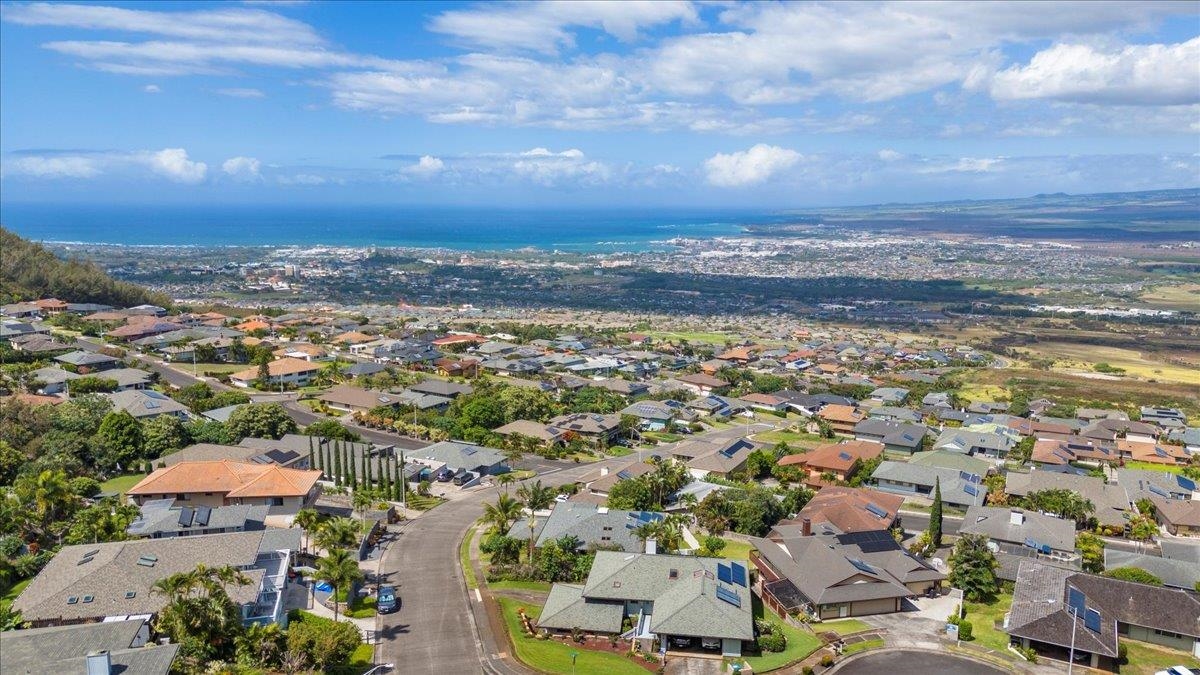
x: 1076, y: 390
x: 1182, y: 296
x: 1076, y: 357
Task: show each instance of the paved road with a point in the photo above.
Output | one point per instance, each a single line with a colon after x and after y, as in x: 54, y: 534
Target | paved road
x: 919, y: 522
x: 305, y: 417
x: 915, y: 663
x: 173, y: 377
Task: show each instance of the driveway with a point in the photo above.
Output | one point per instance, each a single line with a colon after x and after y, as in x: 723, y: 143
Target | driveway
x: 683, y: 665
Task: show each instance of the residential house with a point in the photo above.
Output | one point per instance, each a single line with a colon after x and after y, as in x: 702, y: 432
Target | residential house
x: 1052, y: 452
x: 953, y: 460
x: 161, y: 519
x: 280, y: 372
x: 1143, y: 484
x: 811, y: 404
x: 52, y: 380
x: 590, y: 425
x: 1189, y: 438
x: 225, y: 482
x: 626, y: 388
x: 840, y: 575
x: 891, y: 413
x: 1178, y: 517
x: 146, y: 404
x: 938, y: 399
x: 1110, y: 501
x: 127, y: 378
x: 599, y: 482
x: 889, y: 395
x: 459, y: 455
x: 719, y: 457
x: 244, y: 453
x: 839, y: 459
x: 304, y: 351
x: 703, y: 384
x: 841, y: 418
x: 545, y: 433
x: 980, y: 443
x: 1152, y: 453
x: 356, y: 399
x: 1057, y: 611
x: 442, y: 388
x: 363, y: 369
x: 1020, y: 534
x: 768, y: 402
x: 88, y: 362
x: 657, y: 415
x: 665, y: 596
x: 839, y: 510
x: 104, y: 648
x: 895, y: 436
x: 1166, y: 418
x: 594, y: 527
x: 1180, y: 574
x: 90, y: 583
x: 959, y: 488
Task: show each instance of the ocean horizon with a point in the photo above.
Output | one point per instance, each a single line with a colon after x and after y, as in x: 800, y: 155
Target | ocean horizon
x: 462, y: 228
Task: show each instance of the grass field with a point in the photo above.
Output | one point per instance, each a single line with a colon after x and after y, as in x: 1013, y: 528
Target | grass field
x: 1173, y: 296
x: 862, y: 646
x: 423, y: 503
x: 800, y: 643
x: 842, y: 627
x: 1082, y: 391
x: 1147, y: 659
x: 694, y: 336
x: 1074, y: 357
x: 550, y: 656
x: 121, y: 483
x: 464, y: 559
x: 983, y: 620
x: 538, y: 586
x: 1151, y: 466
x: 795, y: 439
x: 201, y: 368
x: 11, y: 595
x: 736, y: 550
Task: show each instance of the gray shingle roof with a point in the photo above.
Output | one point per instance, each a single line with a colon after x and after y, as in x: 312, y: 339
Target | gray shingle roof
x: 1174, y: 573
x: 566, y: 608
x: 1110, y: 501
x: 592, y: 524
x: 63, y: 649
x: 995, y: 522
x: 461, y: 455
x: 140, y: 403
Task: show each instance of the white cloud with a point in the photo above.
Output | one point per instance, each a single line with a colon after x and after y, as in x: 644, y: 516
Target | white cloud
x: 242, y: 167
x: 303, y: 179
x: 241, y: 92
x: 549, y: 168
x: 54, y: 167
x: 1153, y: 74
x: 426, y: 166
x: 889, y: 155
x: 545, y: 26
x: 965, y: 165
x: 748, y: 167
x: 174, y: 164
x: 152, y: 89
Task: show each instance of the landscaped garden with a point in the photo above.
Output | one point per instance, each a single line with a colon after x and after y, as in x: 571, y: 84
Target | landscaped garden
x: 985, y: 618
x: 552, y: 655
x: 800, y: 643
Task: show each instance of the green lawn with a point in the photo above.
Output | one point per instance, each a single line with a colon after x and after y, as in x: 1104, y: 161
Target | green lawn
x: 550, y: 656
x: 799, y: 644
x: 202, y: 368
x: 121, y: 483
x: 862, y: 647
x: 9, y: 597
x: 983, y: 620
x: 464, y: 559
x: 798, y: 440
x: 842, y: 626
x: 1146, y: 659
x: 423, y: 503
x: 736, y: 549
x: 541, y: 586
x: 1151, y: 466
x: 362, y: 660
x: 618, y: 451
x: 660, y: 436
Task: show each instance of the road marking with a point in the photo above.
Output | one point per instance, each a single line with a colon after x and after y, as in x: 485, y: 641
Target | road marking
x: 478, y: 597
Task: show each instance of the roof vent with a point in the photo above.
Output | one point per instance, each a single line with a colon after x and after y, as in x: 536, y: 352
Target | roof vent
x: 129, y: 595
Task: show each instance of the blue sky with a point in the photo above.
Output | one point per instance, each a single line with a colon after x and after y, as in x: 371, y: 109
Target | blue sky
x: 592, y: 103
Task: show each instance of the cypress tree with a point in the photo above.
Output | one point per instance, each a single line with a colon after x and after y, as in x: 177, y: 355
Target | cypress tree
x: 369, y: 475
x: 337, y: 466
x: 353, y: 469
x: 935, y: 515
x: 311, y: 459
x: 401, y: 480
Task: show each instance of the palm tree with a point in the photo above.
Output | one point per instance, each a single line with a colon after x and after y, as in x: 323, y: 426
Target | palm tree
x: 337, y: 533
x: 340, y: 570
x: 362, y: 501
x: 46, y: 494
x: 501, y: 515
x: 513, y: 450
x: 536, y: 497
x: 646, y: 532
x: 307, y: 520
x: 506, y: 479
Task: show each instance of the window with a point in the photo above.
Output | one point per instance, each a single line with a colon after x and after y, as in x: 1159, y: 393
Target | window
x: 276, y: 501
x: 1167, y: 634
x: 181, y: 497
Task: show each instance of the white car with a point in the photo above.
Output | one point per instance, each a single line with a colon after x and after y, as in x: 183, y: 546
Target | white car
x: 1178, y: 670
x: 561, y: 498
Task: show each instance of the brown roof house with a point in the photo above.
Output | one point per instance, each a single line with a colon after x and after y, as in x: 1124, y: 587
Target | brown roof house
x: 704, y: 384
x: 286, y: 371
x: 839, y: 459
x: 224, y: 482
x: 1180, y: 517
x: 839, y: 510
x: 841, y: 418
x: 356, y: 399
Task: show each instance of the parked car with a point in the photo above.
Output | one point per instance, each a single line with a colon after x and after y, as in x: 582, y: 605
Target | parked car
x: 387, y: 602
x: 463, y: 478
x: 445, y: 476
x: 561, y: 498
x: 681, y: 642
x: 710, y: 643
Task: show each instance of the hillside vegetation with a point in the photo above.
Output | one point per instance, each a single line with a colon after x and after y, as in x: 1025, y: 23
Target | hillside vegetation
x: 28, y: 272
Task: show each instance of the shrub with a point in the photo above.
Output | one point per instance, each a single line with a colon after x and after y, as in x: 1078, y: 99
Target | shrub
x: 650, y: 658
x: 806, y: 670
x: 965, y: 631
x: 772, y: 642
x: 827, y: 660
x: 1028, y: 653
x: 1122, y: 653
x: 323, y: 641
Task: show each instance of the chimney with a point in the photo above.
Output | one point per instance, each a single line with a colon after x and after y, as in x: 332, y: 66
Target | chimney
x: 1016, y: 517
x: 651, y: 546
x: 806, y: 527
x: 98, y: 663
x: 604, y: 471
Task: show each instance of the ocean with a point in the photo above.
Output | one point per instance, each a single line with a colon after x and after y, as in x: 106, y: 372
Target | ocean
x: 593, y: 230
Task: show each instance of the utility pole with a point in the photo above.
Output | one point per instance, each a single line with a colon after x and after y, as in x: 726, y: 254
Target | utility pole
x: 1071, y: 656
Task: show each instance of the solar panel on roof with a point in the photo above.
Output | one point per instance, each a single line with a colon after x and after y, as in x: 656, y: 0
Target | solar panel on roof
x: 1091, y: 620
x: 729, y: 596
x: 623, y: 474
x: 1031, y: 543
x: 729, y: 452
x: 971, y: 490
x: 1160, y: 452
x: 964, y: 475
x: 739, y: 573
x: 1075, y: 600
x: 1159, y: 491
x: 724, y: 573
x: 185, y: 516
x: 844, y: 456
x: 203, y: 513
x: 876, y: 511
x: 1186, y: 483
x: 469, y: 451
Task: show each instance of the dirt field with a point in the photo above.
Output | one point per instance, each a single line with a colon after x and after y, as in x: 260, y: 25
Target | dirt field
x: 1173, y: 296
x: 992, y: 383
x: 1075, y: 358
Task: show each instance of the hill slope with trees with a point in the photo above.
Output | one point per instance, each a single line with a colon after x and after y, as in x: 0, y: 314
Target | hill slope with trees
x: 28, y: 271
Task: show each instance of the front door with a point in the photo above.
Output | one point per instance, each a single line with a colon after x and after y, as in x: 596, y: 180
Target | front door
x: 843, y: 611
